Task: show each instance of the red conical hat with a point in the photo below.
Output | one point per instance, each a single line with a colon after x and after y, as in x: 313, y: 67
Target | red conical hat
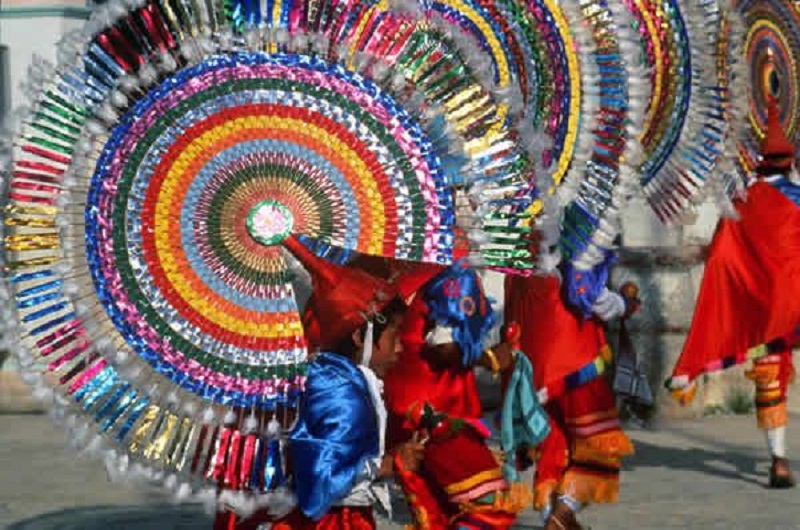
x: 343, y: 296
x: 777, y: 152
x: 413, y: 277
x: 407, y: 277
x: 347, y: 292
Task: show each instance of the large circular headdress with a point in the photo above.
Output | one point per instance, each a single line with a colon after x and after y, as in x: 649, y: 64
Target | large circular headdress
x: 604, y: 170
x: 772, y: 52
x: 163, y: 167
x: 677, y: 127
x: 688, y: 120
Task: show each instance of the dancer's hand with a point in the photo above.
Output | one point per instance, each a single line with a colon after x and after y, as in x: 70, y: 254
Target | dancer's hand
x: 412, y: 452
x: 442, y: 356
x: 630, y: 292
x: 504, y: 355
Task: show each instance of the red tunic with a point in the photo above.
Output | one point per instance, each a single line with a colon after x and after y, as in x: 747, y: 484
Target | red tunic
x: 458, y: 468
x: 452, y: 391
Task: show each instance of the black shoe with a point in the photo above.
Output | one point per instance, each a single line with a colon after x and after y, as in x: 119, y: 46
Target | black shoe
x: 780, y: 476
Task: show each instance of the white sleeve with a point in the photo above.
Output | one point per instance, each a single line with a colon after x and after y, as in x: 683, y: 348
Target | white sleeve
x: 609, y: 305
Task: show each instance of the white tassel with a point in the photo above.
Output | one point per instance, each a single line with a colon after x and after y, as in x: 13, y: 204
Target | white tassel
x: 121, y: 357
x: 478, y: 237
x: 366, y: 357
x: 252, y: 40
x: 273, y: 429
x: 173, y: 401
x: 95, y: 128
x: 79, y: 434
x: 171, y: 483
x: 30, y: 378
x: 119, y: 100
x: 42, y: 393
x: 189, y: 52
x: 133, y: 372
x: 116, y: 10
x: 250, y: 424
x: 95, y: 446
x: 190, y: 408
x: 167, y: 63
x: 183, y: 493
x: 208, y: 415
x: 208, y: 498
x: 107, y: 114
x: 147, y: 75
x: 207, y: 45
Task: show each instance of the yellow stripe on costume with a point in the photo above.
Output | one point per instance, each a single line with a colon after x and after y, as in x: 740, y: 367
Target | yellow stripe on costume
x: 473, y: 481
x: 601, y: 447
x: 543, y: 493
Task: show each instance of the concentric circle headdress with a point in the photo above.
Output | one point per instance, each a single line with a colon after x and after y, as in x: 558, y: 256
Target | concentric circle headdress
x: 178, y: 159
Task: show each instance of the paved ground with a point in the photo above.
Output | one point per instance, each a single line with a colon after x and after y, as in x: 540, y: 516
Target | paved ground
x: 694, y: 475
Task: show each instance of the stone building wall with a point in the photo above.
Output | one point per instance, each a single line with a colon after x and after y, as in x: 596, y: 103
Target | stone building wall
x: 32, y: 27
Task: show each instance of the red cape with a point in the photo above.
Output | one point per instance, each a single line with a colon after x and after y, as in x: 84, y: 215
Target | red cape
x: 750, y: 293
x: 558, y: 342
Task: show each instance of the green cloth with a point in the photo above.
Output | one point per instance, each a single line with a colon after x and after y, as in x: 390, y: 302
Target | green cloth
x: 524, y: 422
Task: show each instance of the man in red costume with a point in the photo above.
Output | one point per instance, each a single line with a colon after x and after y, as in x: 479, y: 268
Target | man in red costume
x: 561, y: 321
x: 433, y: 389
x: 749, y: 302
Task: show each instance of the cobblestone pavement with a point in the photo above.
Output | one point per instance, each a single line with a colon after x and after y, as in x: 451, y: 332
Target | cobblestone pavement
x: 705, y: 474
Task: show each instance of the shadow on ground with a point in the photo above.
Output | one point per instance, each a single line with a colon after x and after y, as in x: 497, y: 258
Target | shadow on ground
x: 155, y: 517
x: 695, y: 459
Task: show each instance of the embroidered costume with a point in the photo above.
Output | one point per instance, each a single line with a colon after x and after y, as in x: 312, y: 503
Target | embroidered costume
x: 461, y: 484
x: 580, y: 459
x: 749, y: 302
x: 451, y: 307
